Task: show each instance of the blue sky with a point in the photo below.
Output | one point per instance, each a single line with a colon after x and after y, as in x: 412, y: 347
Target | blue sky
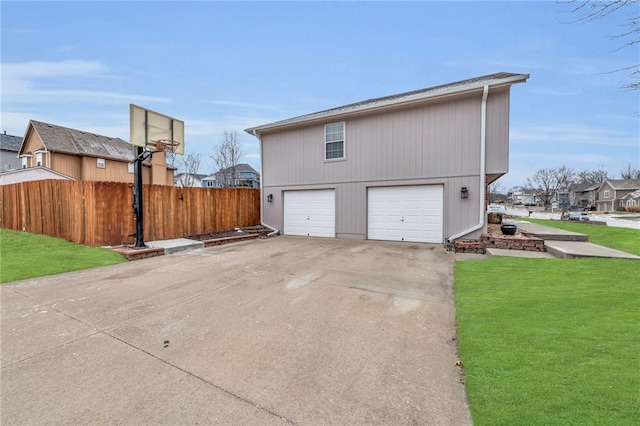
x: 219, y: 65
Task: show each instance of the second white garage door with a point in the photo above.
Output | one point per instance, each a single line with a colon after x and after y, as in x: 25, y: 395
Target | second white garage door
x: 406, y: 213
x: 310, y: 213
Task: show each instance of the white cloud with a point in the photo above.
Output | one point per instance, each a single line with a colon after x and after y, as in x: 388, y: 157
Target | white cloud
x: 15, y: 123
x: 581, y: 134
x: 25, y: 70
x: 22, y: 84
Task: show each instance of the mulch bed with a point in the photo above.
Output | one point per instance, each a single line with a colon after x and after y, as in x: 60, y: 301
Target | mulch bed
x: 261, y: 231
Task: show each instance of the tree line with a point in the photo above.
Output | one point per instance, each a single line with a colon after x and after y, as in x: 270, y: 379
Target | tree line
x: 546, y: 183
x: 225, y: 157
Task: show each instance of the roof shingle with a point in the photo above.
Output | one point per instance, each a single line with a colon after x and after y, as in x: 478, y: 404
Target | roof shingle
x: 78, y: 142
x: 10, y: 142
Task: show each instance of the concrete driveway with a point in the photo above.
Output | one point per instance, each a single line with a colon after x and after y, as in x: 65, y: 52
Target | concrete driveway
x: 277, y: 331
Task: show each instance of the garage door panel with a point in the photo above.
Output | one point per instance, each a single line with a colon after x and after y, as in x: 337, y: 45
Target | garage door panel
x: 406, y: 213
x: 309, y: 213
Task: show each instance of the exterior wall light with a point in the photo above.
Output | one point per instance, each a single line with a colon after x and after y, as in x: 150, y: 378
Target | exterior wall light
x: 464, y: 192
x: 269, y: 198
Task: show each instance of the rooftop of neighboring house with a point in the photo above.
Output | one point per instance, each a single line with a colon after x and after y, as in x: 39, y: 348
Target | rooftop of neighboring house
x: 634, y: 195
x: 78, y: 142
x: 624, y: 184
x: 10, y: 142
x: 195, y: 175
x: 584, y: 187
x: 477, y: 83
x: 239, y: 168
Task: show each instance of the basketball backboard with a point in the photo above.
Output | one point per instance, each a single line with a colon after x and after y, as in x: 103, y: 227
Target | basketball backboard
x: 147, y: 128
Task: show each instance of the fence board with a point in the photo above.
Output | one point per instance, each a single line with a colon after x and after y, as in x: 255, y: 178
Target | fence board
x: 100, y: 213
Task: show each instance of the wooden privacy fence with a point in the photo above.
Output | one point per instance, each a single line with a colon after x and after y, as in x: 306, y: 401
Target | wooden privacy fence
x: 101, y: 213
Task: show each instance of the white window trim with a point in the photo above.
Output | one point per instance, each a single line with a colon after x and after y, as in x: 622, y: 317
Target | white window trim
x: 101, y: 163
x: 38, y: 159
x: 344, y: 142
x: 605, y: 194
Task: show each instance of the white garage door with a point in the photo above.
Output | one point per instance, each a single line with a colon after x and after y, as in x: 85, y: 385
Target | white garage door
x: 310, y: 213
x: 405, y: 213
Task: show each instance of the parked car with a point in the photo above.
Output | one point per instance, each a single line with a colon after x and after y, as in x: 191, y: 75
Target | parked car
x: 579, y: 216
x: 577, y: 209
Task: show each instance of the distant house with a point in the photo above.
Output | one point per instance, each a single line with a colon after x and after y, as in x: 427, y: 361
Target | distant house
x: 584, y: 194
x: 9, y: 147
x: 242, y: 175
x: 412, y: 166
x: 524, y: 198
x: 30, y: 174
x: 632, y: 200
x: 611, y: 194
x: 87, y: 156
x: 188, y: 180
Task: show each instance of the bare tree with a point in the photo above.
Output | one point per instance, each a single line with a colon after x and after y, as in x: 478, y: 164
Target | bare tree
x: 496, y: 192
x: 592, y: 176
x: 225, y: 158
x: 629, y: 172
x: 592, y: 10
x: 546, y: 183
x: 170, y: 156
x: 189, y: 167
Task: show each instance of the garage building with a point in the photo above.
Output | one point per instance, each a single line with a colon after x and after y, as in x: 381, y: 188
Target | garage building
x: 408, y: 167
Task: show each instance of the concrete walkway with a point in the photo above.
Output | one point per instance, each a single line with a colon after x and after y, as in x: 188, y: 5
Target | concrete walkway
x: 577, y: 249
x: 566, y: 244
x: 548, y: 232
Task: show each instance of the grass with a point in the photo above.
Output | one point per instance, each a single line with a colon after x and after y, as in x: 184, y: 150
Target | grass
x: 625, y: 239
x: 25, y: 255
x: 552, y: 341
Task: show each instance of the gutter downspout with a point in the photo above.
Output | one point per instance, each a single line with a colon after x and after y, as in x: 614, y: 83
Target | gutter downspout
x: 483, y: 168
x: 274, y: 231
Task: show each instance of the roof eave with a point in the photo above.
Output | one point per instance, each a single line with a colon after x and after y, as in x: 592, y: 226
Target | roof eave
x: 392, y: 103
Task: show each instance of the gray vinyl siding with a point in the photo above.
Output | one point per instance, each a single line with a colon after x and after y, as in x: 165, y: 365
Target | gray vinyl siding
x: 498, y: 132
x: 437, y: 143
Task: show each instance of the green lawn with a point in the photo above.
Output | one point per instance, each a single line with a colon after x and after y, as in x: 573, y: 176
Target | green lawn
x: 552, y: 341
x: 24, y: 255
x: 624, y: 239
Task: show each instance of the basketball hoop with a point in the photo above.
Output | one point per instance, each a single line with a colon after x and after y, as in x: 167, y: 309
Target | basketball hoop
x: 166, y: 145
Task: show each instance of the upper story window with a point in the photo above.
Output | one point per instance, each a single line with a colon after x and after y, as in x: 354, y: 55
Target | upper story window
x: 606, y: 194
x: 101, y: 163
x: 38, y: 159
x: 24, y: 162
x: 334, y: 141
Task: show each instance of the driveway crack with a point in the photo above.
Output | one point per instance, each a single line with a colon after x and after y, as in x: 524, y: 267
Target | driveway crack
x: 202, y: 379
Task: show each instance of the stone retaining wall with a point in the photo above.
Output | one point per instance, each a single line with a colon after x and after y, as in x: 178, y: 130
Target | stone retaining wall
x: 528, y: 243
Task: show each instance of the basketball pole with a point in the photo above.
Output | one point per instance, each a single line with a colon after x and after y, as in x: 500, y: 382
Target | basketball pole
x: 137, y: 202
x: 138, y: 205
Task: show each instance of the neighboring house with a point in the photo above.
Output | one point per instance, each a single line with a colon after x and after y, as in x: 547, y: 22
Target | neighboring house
x: 242, y: 175
x: 632, y: 200
x: 584, y: 194
x: 611, y: 194
x: 408, y: 167
x: 9, y: 146
x: 188, y: 179
x: 30, y: 174
x: 87, y: 156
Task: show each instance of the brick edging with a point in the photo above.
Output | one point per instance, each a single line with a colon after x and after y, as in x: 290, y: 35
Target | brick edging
x: 227, y: 240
